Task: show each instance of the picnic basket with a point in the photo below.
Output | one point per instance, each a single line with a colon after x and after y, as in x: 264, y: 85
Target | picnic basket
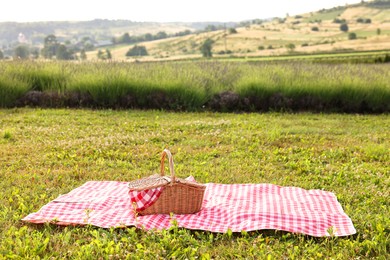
x: 178, y: 196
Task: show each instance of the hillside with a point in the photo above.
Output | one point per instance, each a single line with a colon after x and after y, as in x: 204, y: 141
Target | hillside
x: 314, y: 32
x: 310, y: 33
x: 98, y: 32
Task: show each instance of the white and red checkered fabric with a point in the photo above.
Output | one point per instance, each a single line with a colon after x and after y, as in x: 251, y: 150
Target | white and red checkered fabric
x: 145, y: 198
x: 236, y: 207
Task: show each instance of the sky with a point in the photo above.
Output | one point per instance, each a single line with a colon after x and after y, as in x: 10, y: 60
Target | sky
x: 158, y: 10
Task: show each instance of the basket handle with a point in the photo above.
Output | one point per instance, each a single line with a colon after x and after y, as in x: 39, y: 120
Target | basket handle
x: 166, y: 152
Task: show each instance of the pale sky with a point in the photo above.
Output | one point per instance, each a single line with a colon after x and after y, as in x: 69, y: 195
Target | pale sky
x: 158, y: 10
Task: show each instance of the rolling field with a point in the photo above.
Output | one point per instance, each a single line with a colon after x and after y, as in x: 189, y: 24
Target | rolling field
x: 48, y: 152
x: 270, y: 37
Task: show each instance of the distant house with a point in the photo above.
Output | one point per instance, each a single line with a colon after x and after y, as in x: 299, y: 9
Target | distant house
x: 22, y: 38
x: 103, y: 43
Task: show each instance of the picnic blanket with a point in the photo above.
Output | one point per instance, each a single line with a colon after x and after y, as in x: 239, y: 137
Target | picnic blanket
x: 236, y: 207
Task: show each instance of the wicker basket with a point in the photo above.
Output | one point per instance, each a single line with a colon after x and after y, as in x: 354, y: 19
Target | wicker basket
x: 178, y: 196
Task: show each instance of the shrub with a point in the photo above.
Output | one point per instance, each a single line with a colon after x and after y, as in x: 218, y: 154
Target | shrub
x: 315, y: 29
x: 344, y: 27
x: 352, y: 36
x: 363, y: 20
x: 137, y: 50
x: 337, y: 20
x: 227, y: 101
x: 290, y: 47
x: 260, y: 48
x: 206, y: 48
x: 232, y: 30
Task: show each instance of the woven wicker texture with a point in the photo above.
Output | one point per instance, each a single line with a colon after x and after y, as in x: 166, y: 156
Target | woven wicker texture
x: 179, y: 196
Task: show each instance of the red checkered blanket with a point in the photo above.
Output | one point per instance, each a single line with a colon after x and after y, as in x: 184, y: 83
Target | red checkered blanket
x: 225, y: 206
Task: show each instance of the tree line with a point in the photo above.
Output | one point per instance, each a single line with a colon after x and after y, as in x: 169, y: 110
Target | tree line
x: 129, y: 39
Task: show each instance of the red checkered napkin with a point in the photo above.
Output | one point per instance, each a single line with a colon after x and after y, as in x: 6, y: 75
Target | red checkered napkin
x: 145, y: 198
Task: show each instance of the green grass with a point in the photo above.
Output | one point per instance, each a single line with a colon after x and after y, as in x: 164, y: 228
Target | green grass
x: 326, y: 15
x: 192, y: 85
x: 45, y: 153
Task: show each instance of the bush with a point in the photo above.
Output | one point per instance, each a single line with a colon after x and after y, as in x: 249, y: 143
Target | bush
x: 344, y: 27
x: 206, y: 48
x: 337, y: 20
x: 227, y: 101
x: 225, y: 52
x: 315, y: 29
x: 290, y: 47
x: 137, y: 50
x: 232, y: 30
x: 352, y: 36
x: 363, y: 20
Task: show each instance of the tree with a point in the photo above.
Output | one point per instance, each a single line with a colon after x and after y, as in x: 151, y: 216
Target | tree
x: 108, y: 54
x: 62, y: 53
x: 352, y: 36
x: 211, y: 28
x: 100, y: 55
x: 104, y: 55
x: 50, y: 46
x: 232, y: 30
x: 290, y: 47
x: 337, y: 20
x: 83, y: 55
x: 378, y: 31
x: 137, y: 50
x: 35, y: 53
x: 148, y: 37
x: 21, y: 52
x: 1, y: 55
x: 126, y: 38
x: 51, y: 39
x: 206, y: 48
x: 344, y: 27
x: 161, y: 35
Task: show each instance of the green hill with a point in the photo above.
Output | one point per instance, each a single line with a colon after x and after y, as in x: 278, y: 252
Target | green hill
x: 314, y: 32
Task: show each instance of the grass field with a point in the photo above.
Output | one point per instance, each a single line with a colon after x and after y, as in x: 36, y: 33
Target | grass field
x: 271, y: 37
x: 45, y: 153
x: 200, y: 85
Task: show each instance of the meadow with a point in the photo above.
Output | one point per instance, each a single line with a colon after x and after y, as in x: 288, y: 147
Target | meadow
x: 48, y: 152
x: 205, y: 85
